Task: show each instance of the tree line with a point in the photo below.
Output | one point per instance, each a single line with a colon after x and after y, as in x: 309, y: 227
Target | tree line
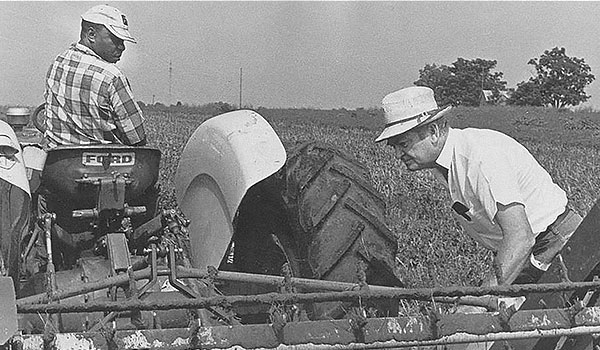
x: 559, y: 81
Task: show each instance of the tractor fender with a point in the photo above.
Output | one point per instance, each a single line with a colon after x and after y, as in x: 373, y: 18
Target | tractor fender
x: 224, y: 157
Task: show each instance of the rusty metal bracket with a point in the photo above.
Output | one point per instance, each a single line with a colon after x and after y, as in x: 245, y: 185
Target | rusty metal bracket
x: 118, y: 252
x: 358, y: 314
x: 280, y: 313
x: 142, y: 292
x: 357, y: 317
x: 52, y: 322
x: 48, y: 220
x: 287, y: 286
x: 136, y: 315
x: 564, y: 271
x: 278, y: 320
x: 32, y: 239
x: 120, y: 264
x: 144, y: 232
x: 504, y: 315
x: 173, y: 275
x: 212, y: 274
x: 153, y: 271
x: 575, y: 309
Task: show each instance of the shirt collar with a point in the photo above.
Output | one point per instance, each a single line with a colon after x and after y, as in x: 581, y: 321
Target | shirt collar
x: 445, y: 157
x: 86, y: 50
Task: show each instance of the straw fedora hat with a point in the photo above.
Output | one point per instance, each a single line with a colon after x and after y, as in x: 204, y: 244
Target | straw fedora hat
x: 408, y: 108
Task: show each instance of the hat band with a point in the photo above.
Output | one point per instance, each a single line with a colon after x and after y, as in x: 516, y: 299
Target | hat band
x: 418, y: 117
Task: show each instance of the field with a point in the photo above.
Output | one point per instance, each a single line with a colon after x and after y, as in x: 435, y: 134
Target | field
x: 432, y: 251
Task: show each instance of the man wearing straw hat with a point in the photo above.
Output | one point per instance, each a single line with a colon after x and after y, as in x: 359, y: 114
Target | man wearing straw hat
x: 500, y: 194
x: 88, y: 98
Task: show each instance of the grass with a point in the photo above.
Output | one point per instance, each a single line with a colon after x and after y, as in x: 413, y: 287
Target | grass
x: 432, y: 250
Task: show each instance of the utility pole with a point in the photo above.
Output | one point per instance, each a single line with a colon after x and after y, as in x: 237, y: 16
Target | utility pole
x: 240, y: 106
x: 482, y: 97
x: 170, y: 80
x: 482, y: 77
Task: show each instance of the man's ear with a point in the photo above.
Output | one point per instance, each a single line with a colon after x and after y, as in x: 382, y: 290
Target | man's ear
x: 434, y: 131
x: 91, y: 34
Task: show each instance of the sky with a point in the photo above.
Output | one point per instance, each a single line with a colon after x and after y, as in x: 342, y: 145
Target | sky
x: 290, y: 54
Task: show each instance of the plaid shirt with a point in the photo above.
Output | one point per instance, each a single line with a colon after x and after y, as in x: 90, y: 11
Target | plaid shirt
x: 89, y: 101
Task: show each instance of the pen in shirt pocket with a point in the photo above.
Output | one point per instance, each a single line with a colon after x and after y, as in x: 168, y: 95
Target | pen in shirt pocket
x: 461, y: 210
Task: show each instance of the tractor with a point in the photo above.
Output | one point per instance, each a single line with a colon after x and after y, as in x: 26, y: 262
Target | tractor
x: 264, y: 249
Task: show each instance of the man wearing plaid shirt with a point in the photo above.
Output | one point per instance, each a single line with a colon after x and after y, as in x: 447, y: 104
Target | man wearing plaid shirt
x: 89, y: 101
x: 88, y: 98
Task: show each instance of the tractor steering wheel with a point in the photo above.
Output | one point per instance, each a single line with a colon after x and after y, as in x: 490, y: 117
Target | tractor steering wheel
x: 38, y: 118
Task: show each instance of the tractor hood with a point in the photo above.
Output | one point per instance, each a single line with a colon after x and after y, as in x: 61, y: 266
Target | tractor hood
x: 224, y: 157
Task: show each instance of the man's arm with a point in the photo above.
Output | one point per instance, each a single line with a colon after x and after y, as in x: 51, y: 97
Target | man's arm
x: 516, y: 245
x: 513, y: 254
x: 127, y: 114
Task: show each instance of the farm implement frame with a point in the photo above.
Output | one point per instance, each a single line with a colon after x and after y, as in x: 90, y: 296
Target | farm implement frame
x: 355, y: 332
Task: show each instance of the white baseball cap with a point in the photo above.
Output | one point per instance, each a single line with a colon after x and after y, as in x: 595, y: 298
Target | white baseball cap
x: 113, y: 19
x: 408, y: 108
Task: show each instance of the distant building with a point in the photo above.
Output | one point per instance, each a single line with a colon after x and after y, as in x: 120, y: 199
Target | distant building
x: 504, y: 96
x: 487, y: 97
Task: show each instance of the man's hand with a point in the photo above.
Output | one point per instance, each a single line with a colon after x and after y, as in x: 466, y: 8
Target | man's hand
x: 141, y: 143
x: 469, y: 309
x: 472, y: 304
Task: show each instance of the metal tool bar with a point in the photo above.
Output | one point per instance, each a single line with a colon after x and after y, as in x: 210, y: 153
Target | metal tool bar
x: 343, y: 289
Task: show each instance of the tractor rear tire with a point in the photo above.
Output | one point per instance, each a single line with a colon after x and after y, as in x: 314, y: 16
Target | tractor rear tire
x: 321, y: 215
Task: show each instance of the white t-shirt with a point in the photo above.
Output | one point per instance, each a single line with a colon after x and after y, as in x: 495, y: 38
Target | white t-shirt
x: 487, y: 167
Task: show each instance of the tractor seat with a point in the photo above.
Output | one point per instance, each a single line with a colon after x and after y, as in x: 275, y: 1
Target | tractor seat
x: 68, y: 167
